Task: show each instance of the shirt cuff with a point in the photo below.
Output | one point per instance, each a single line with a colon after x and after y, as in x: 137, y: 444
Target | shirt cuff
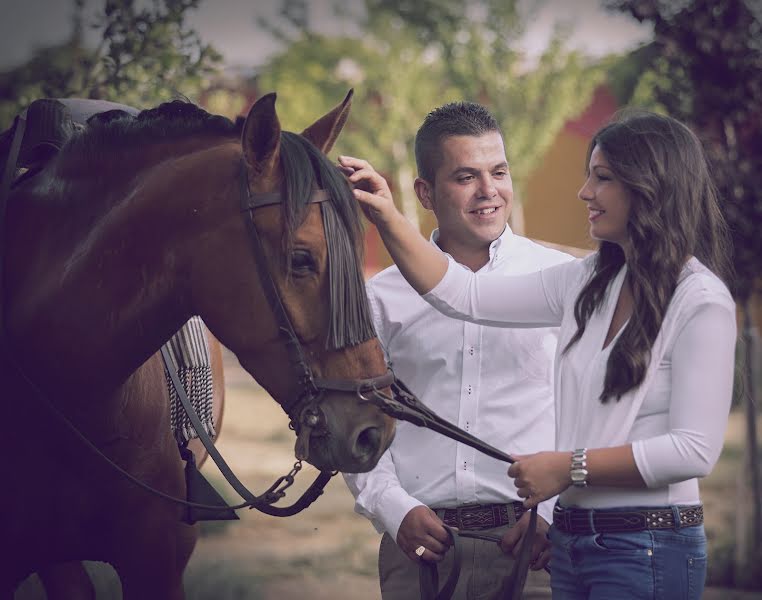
x: 397, y: 503
x: 545, y: 509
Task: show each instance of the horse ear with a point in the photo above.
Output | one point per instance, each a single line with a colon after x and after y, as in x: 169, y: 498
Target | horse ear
x: 261, y: 136
x: 323, y: 132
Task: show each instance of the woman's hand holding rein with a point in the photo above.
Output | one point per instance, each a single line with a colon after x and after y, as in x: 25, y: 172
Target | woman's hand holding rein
x: 420, y: 262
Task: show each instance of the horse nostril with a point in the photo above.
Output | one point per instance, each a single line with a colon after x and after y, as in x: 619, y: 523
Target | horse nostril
x: 367, y: 442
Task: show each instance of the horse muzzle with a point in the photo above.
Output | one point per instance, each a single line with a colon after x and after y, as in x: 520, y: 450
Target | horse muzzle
x: 341, y: 433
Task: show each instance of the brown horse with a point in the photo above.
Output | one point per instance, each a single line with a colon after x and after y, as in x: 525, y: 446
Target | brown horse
x: 132, y: 228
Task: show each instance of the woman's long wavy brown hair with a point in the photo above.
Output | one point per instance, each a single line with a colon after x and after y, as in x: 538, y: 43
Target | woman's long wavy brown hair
x: 674, y: 214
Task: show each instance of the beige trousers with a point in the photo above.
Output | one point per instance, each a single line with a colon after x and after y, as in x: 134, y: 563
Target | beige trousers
x: 482, y: 570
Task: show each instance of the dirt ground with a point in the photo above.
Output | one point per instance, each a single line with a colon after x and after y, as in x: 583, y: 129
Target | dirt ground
x: 326, y: 553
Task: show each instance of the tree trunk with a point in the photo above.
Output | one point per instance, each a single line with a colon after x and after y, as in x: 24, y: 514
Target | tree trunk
x: 749, y: 527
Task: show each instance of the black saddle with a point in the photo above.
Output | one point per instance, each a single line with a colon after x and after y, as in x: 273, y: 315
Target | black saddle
x: 48, y: 125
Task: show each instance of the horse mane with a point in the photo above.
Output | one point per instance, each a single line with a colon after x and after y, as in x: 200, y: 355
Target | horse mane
x: 117, y: 129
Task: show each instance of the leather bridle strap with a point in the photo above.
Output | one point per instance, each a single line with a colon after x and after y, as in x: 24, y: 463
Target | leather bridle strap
x: 294, y: 349
x: 264, y: 502
x: 253, y: 201
x: 312, y: 387
x: 428, y: 576
x: 357, y: 386
x: 214, y: 454
x: 404, y: 405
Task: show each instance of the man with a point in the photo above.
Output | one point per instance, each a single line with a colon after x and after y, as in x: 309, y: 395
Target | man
x: 495, y: 383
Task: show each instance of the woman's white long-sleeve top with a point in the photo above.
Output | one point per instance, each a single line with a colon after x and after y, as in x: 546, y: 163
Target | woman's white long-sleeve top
x: 675, y: 420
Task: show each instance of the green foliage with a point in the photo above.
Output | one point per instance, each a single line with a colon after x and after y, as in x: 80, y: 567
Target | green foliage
x: 394, y: 79
x: 478, y: 43
x: 393, y: 82
x: 411, y: 57
x: 146, y: 55
x: 706, y: 69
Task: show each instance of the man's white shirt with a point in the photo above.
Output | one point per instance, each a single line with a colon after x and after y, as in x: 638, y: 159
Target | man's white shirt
x: 495, y: 383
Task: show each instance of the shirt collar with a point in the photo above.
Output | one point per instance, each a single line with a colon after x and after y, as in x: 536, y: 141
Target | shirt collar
x: 497, y: 249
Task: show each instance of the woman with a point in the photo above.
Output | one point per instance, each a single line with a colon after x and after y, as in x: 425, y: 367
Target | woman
x: 644, y: 369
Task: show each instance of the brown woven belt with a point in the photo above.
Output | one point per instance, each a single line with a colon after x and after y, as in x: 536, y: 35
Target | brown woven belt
x: 590, y: 521
x: 481, y: 516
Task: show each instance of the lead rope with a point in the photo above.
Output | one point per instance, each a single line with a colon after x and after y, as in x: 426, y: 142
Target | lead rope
x: 513, y: 584
x: 404, y: 405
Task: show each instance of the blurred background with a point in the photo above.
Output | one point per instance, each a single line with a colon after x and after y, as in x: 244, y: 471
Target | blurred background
x: 551, y: 71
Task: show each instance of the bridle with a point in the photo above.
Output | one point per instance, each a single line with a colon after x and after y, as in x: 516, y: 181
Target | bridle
x: 307, y: 418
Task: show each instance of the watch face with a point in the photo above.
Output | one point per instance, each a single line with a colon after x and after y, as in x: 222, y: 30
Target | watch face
x: 578, y: 474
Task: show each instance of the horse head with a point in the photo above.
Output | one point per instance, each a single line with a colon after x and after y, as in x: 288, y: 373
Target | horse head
x: 300, y: 315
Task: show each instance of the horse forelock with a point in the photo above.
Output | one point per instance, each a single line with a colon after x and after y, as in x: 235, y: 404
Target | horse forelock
x: 305, y: 168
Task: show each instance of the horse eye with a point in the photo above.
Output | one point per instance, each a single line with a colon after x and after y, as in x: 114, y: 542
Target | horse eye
x: 302, y: 262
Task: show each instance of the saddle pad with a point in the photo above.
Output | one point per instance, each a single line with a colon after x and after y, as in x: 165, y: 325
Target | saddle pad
x: 189, y: 353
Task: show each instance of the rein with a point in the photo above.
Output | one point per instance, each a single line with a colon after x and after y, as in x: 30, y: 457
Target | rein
x: 306, y: 416
x: 404, y: 405
x: 308, y: 419
x: 512, y: 584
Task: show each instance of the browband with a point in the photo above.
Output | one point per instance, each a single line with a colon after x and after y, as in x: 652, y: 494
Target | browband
x: 268, y: 198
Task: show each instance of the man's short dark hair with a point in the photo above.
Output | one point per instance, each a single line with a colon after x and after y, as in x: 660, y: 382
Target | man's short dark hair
x: 455, y: 118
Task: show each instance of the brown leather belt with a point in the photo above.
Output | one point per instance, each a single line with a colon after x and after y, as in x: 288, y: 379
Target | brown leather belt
x: 589, y: 521
x: 482, y: 516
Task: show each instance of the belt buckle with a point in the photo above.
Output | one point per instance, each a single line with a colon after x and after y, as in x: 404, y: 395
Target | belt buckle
x: 460, y: 510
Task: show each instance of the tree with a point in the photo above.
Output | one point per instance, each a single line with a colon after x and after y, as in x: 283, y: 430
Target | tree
x: 412, y: 56
x: 146, y: 55
x: 394, y: 81
x: 707, y: 71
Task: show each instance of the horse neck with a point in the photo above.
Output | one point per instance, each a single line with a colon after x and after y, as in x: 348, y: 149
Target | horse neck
x: 105, y: 285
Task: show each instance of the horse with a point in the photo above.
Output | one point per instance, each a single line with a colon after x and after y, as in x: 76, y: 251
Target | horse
x: 137, y: 224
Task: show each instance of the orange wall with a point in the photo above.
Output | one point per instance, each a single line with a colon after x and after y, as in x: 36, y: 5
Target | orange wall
x: 552, y: 210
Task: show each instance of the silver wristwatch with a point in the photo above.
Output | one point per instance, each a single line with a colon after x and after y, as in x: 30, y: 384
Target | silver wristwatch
x: 578, y: 470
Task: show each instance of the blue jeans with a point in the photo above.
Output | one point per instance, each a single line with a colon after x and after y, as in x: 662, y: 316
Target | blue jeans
x: 656, y: 564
